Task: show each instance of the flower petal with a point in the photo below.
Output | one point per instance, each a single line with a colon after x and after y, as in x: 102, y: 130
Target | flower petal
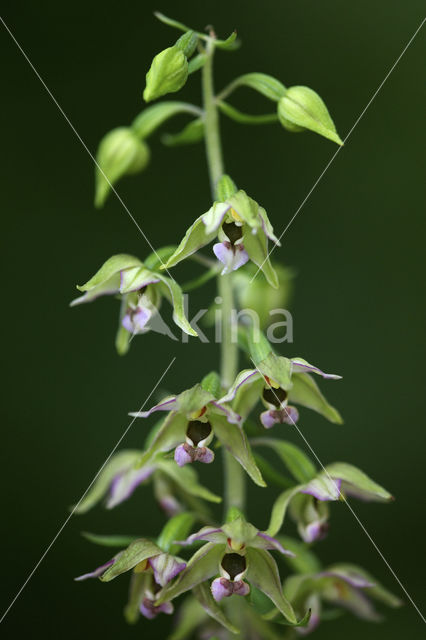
x: 323, y: 488
x: 168, y: 404
x: 136, y: 278
x: 231, y: 256
x: 302, y: 366
x: 137, y: 551
x: 256, y: 246
x: 195, y: 238
x: 268, y: 542
x: 96, y: 573
x: 214, y: 216
x: 167, y: 437
x: 166, y: 567
x: 305, y: 392
x: 124, y: 484
x: 107, y: 279
x: 248, y: 376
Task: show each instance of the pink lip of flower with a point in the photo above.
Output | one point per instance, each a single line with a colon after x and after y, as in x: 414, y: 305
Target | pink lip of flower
x: 186, y: 453
x: 223, y: 588
x: 231, y: 256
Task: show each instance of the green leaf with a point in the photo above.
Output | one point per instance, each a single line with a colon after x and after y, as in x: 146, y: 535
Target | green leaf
x: 186, y: 478
x: 175, y: 294
x: 204, y: 596
x: 304, y: 560
x: 168, y: 73
x: 177, y: 528
x: 193, y: 132
x: 256, y: 246
x: 268, y: 86
x: 277, y: 369
x: 246, y: 118
x: 109, y: 540
x: 235, y: 440
x: 118, y: 463
x: 303, y: 107
x: 168, y: 437
x: 357, y: 483
x: 136, y: 552
x: 296, y: 461
x: 154, y: 116
x: 203, y: 565
x: 305, y: 391
x: 120, y: 152
x: 195, y: 238
x: 279, y: 509
x: 262, y: 571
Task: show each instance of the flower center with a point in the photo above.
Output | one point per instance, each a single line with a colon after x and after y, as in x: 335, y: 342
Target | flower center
x: 233, y: 564
x: 235, y: 215
x: 232, y: 231
x: 141, y: 566
x: 198, y: 431
x: 197, y: 414
x: 275, y: 396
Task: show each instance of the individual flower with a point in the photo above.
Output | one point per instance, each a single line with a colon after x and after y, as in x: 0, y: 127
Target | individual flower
x: 307, y: 503
x: 141, y: 290
x: 195, y: 416
x: 341, y: 585
x: 238, y: 555
x: 278, y: 381
x: 119, y: 479
x: 242, y: 228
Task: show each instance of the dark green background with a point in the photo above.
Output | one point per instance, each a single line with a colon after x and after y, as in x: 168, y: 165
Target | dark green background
x: 358, y: 246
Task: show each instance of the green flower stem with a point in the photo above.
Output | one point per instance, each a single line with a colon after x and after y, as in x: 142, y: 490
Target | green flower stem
x: 234, y: 475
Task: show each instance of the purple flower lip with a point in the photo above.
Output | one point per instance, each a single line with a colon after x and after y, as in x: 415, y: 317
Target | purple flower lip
x: 223, y: 588
x: 231, y: 256
x: 186, y: 454
x: 149, y: 610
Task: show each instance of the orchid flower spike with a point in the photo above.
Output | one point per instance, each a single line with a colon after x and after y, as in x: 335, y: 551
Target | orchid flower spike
x: 141, y: 290
x: 341, y: 585
x: 242, y: 228
x: 195, y: 416
x: 277, y: 382
x: 234, y: 553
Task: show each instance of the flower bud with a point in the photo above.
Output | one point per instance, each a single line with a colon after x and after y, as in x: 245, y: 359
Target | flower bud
x: 167, y: 74
x: 301, y: 108
x: 120, y: 152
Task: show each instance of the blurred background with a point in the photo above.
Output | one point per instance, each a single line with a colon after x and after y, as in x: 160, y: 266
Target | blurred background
x: 357, y: 246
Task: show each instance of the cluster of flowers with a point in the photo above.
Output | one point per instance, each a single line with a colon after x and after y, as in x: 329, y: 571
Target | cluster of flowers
x: 233, y: 558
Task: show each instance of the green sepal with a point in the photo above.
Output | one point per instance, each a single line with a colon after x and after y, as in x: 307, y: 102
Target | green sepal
x: 177, y: 528
x: 256, y: 245
x: 296, y: 461
x: 195, y: 238
x: 365, y: 487
x: 305, y: 392
x: 186, y: 478
x: 109, y: 273
x: 231, y: 43
x: 120, y: 152
x: 117, y: 463
x: 136, y: 552
x: 109, y: 540
x: 138, y: 584
x: 168, y: 73
x: 204, y: 596
x: 168, y: 436
x: 193, y: 399
x: 193, y: 132
x: 203, y: 565
x: 239, y: 530
x: 303, y: 107
x: 187, y: 43
x: 154, y: 116
x: 175, y: 295
x: 277, y: 369
x: 246, y: 118
x: 211, y: 383
x: 258, y: 345
x: 122, y: 337
x: 279, y: 509
x: 234, y: 513
x: 225, y: 188
x: 262, y: 572
x: 265, y: 84
x: 233, y: 438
